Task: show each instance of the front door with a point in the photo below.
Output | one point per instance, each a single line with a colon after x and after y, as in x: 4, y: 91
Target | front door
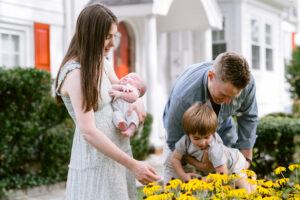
x: 122, y: 54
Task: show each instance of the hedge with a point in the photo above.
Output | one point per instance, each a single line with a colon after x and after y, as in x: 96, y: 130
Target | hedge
x: 275, y: 145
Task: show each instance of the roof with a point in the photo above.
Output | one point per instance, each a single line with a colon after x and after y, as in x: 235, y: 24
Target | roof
x: 121, y: 2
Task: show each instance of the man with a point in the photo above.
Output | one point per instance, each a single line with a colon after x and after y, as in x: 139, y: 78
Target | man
x: 227, y: 85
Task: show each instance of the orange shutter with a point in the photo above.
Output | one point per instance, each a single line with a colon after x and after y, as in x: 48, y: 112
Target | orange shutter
x: 293, y: 40
x: 42, y: 46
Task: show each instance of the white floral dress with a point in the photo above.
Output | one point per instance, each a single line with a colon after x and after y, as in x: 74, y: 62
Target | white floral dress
x: 92, y: 175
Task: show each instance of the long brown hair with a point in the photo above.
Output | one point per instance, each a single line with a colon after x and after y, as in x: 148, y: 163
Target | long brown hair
x: 86, y: 47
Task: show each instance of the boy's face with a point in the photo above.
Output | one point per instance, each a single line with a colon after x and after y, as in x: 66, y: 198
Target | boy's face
x: 202, y: 142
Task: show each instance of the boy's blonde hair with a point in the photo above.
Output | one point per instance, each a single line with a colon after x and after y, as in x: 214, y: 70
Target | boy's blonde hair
x: 199, y: 119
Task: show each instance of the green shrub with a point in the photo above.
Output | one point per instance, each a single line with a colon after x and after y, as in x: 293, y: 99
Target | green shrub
x: 293, y: 73
x: 140, y: 141
x: 35, y: 136
x: 275, y: 144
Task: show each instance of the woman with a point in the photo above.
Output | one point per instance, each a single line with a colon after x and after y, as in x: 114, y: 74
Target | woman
x: 83, y: 82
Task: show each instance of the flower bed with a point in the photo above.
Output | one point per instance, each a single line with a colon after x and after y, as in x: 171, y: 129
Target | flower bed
x: 222, y: 186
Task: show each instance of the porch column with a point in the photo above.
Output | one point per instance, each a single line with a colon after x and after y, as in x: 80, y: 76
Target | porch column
x: 205, y: 44
x: 153, y: 91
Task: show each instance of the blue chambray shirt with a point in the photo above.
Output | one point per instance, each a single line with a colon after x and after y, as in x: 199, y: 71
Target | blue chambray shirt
x: 192, y: 86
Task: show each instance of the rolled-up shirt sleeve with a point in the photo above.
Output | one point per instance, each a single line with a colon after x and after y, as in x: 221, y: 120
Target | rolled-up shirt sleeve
x: 247, y: 119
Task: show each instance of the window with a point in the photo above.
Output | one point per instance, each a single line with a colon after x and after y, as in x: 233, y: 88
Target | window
x: 218, y: 41
x: 9, y: 49
x: 255, y: 47
x: 269, y: 49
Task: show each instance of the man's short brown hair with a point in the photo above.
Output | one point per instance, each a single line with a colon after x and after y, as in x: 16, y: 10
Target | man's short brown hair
x: 232, y: 67
x: 199, y: 119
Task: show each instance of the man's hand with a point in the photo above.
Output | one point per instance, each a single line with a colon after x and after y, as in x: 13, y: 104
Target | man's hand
x: 248, y: 156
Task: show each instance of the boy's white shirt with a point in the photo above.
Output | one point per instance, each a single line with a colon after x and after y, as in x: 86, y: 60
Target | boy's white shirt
x: 218, y: 153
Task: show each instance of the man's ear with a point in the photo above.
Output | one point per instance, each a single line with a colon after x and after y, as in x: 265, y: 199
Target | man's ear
x: 211, y: 74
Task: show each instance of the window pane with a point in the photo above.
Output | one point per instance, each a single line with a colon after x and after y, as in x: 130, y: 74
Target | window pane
x: 269, y: 59
x: 217, y: 49
x: 254, y: 31
x: 268, y: 28
x: 6, y: 46
x: 268, y: 34
x: 214, y: 35
x: 15, y: 41
x: 10, y: 50
x: 6, y: 60
x: 255, y: 57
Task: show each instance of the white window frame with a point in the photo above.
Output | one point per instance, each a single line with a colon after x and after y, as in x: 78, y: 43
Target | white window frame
x: 26, y: 40
x: 19, y: 53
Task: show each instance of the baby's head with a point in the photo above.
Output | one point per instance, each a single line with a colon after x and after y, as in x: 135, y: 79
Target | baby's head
x: 200, y: 123
x: 135, y: 80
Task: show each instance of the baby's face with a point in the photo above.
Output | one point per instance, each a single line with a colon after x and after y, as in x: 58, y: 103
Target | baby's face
x: 202, y: 142
x: 132, y: 80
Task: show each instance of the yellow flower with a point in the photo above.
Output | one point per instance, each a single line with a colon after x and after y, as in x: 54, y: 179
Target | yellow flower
x: 252, y: 181
x: 151, y: 189
x: 250, y: 173
x: 282, y: 181
x: 297, y: 186
x: 186, y: 196
x: 292, y: 167
x: 272, y: 198
x: 263, y: 190
x: 164, y: 196
x: 278, y: 170
x: 267, y: 184
x: 173, y: 184
x: 240, y: 193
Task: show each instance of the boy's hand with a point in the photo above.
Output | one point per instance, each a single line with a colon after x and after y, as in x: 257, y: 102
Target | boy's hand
x: 188, y: 176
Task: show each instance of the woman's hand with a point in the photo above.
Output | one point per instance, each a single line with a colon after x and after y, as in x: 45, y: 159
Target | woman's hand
x: 138, y: 106
x: 144, y: 173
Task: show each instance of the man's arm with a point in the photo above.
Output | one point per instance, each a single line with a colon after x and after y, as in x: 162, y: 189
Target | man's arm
x: 173, y: 122
x: 247, y: 120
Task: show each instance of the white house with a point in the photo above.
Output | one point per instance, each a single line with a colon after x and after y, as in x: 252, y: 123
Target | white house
x: 159, y: 39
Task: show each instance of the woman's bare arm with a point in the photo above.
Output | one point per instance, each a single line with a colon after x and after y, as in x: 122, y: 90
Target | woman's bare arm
x: 86, y: 123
